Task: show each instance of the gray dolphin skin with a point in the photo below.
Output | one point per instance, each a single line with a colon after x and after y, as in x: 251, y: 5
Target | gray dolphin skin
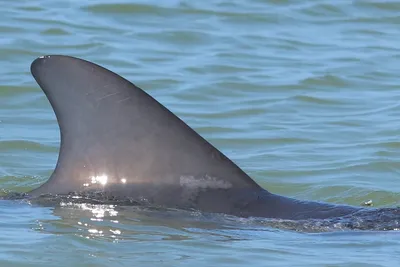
x: 118, y: 140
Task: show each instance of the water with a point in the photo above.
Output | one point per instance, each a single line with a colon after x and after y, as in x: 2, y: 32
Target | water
x: 303, y: 95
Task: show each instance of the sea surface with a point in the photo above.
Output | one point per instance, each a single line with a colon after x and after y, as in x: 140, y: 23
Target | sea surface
x: 303, y: 95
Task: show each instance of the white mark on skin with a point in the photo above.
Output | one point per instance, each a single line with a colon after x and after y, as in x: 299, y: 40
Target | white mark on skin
x: 206, y: 182
x: 125, y: 99
x: 101, y: 98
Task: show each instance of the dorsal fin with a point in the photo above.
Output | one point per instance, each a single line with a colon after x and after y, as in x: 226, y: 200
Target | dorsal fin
x: 112, y: 132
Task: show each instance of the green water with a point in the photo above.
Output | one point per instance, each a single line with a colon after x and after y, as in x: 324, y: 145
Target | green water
x: 303, y: 95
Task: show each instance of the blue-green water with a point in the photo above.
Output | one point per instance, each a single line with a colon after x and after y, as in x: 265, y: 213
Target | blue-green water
x: 303, y: 95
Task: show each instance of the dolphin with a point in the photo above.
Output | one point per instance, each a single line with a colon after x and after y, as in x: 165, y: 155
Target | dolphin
x: 119, y: 141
